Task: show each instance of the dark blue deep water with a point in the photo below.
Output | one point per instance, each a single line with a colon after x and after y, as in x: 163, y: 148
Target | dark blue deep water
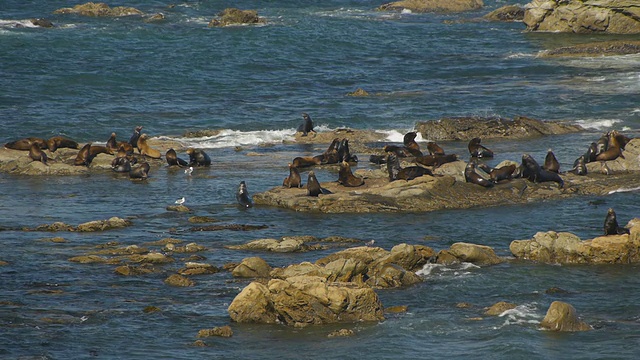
x: 88, y: 77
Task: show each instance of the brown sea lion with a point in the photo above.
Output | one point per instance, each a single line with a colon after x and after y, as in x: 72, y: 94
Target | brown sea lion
x: 140, y: 172
x: 410, y: 143
x: 502, y: 173
x: 126, y: 146
x: 331, y: 155
x: 147, y: 150
x: 396, y: 172
x: 344, y: 153
x: 133, y: 140
x: 197, y: 157
x: 99, y: 149
x: 611, y: 224
x: 58, y: 142
x: 435, y: 160
x: 293, y: 180
x: 36, y: 154
x: 83, y: 158
x: 306, y: 161
x: 613, y: 151
x: 531, y: 170
x: 174, y: 160
x: 603, y: 144
x: 346, y: 177
x: 551, y: 163
x: 471, y: 176
x: 579, y: 166
x: 121, y: 165
x: 112, y: 144
x: 477, y: 150
x: 307, y: 125
x: 400, y: 151
x: 434, y: 149
x: 313, y: 186
x: 25, y: 144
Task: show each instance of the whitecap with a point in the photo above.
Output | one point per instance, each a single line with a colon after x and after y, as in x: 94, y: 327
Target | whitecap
x: 232, y: 138
x: 406, y: 11
x: 520, y: 56
x: 521, y: 314
x: 398, y: 136
x: 598, y: 124
x: 8, y: 24
x: 622, y: 190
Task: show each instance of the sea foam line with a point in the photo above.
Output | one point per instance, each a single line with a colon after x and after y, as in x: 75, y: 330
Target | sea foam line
x: 622, y: 190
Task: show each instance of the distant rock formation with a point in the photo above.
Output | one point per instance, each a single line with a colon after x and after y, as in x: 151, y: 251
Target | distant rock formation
x: 442, y: 6
x: 580, y: 16
x: 600, y: 48
x: 233, y: 16
x: 99, y: 9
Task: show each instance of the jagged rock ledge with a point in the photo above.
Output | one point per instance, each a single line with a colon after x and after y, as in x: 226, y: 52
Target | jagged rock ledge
x: 600, y: 48
x: 450, y: 191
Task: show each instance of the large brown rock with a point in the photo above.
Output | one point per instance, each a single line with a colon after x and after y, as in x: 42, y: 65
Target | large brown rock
x: 252, y: 267
x: 304, y: 300
x: 441, y: 6
x: 566, y: 248
x: 233, y: 16
x: 99, y: 9
x: 103, y: 225
x: 583, y: 16
x: 475, y: 254
x: 562, y: 317
x: 506, y: 13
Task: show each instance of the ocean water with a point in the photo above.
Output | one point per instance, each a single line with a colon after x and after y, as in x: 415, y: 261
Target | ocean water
x: 88, y: 77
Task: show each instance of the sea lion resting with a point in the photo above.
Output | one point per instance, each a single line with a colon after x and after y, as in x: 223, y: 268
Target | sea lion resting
x: 502, y: 173
x: 436, y: 160
x: 531, y: 170
x: 614, y: 150
x: 346, y: 177
x: 396, y: 172
x: 36, y: 154
x: 83, y: 158
x: 410, y: 143
x: 140, y: 172
x: 174, y: 160
x: 434, y: 149
x: 121, y: 165
x: 477, y: 150
x: 25, y: 144
x: 471, y: 176
x: 293, y: 180
x: 306, y: 161
x: 58, y: 142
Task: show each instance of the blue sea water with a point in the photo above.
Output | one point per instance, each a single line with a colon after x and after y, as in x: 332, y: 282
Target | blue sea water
x: 88, y: 77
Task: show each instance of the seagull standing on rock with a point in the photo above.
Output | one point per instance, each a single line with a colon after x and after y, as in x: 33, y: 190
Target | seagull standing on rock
x: 180, y: 201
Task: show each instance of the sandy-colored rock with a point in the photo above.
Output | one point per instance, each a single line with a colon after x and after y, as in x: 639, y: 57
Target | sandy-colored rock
x: 252, y: 267
x: 562, y: 317
x: 89, y: 259
x: 506, y: 13
x: 475, y: 254
x: 103, y: 225
x: 233, y: 16
x: 131, y: 270
x: 194, y: 268
x: 341, y: 333
x: 99, y: 9
x: 223, y: 331
x: 152, y: 258
x: 285, y: 245
x: 179, y: 280
x: 498, y: 308
x: 600, y: 48
x: 441, y: 6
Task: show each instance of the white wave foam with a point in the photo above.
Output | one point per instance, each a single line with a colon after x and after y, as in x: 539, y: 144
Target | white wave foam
x: 406, y: 11
x: 17, y: 23
x: 231, y: 138
x: 521, y: 314
x: 456, y: 270
x: 520, y: 56
x: 598, y: 124
x: 622, y: 190
x: 398, y: 136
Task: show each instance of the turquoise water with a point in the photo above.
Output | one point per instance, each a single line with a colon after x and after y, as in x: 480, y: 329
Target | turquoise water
x: 89, y: 77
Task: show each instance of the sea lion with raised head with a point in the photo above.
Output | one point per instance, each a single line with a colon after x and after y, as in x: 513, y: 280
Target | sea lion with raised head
x: 293, y: 180
x: 331, y: 155
x: 611, y: 224
x: 502, y: 173
x: 533, y: 172
x: 25, y: 144
x: 147, y: 150
x: 58, y: 142
x: 83, y: 158
x: 133, y: 140
x: 197, y: 157
x: 434, y: 149
x: 410, y: 143
x: 346, y: 177
x: 579, y: 166
x: 344, y: 154
x: 603, y: 144
x: 174, y: 160
x: 613, y: 150
x: 471, y: 176
x: 551, y: 163
x: 112, y: 144
x: 140, y: 172
x: 242, y: 196
x: 36, y: 154
x: 477, y: 150
x: 313, y: 186
x: 307, y: 125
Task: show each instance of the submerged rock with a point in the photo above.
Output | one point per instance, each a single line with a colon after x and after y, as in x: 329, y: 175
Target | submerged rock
x: 498, y: 308
x: 579, y: 16
x: 224, y: 331
x: 233, y: 16
x: 562, y: 317
x: 601, y: 48
x: 103, y: 225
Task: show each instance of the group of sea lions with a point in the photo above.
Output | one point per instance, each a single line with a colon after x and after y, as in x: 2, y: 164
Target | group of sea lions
x: 35, y: 146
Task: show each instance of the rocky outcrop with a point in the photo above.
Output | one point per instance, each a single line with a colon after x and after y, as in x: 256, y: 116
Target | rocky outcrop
x: 99, y: 9
x: 305, y: 300
x: 562, y: 317
x: 253, y: 267
x: 506, y: 13
x: 566, y: 248
x: 440, y: 6
x: 467, y: 128
x: 601, y: 48
x: 583, y: 16
x: 480, y: 255
x: 233, y: 16
x: 91, y: 226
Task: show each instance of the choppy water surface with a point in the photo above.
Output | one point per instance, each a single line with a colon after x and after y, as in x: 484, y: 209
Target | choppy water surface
x: 89, y: 77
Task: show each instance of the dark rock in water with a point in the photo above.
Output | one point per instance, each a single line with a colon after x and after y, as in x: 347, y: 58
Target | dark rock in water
x: 233, y: 227
x: 467, y: 128
x: 601, y: 48
x: 45, y: 23
x: 233, y: 16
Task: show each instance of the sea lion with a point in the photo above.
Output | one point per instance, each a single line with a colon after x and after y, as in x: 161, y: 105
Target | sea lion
x: 242, y: 196
x: 477, y: 150
x: 410, y: 143
x: 471, y: 176
x: 622, y: 140
x: 344, y: 154
x: 378, y: 159
x: 126, y: 146
x: 603, y: 144
x: 147, y: 150
x: 25, y: 144
x: 58, y: 142
x: 346, y: 177
x: 197, y: 157
x: 121, y: 165
x: 579, y: 166
x: 36, y: 154
x: 112, y: 144
x: 313, y: 186
x: 590, y: 154
x: 435, y: 160
x: 396, y: 172
x: 140, y: 172
x: 551, y: 163
x: 99, y: 149
x: 331, y: 155
x: 434, y: 149
x: 307, y: 125
x: 611, y: 224
x: 306, y: 161
x: 400, y: 151
x: 502, y: 173
x: 293, y: 180
x: 613, y: 150
x: 531, y: 170
x: 174, y: 160
x: 83, y: 158
x: 133, y: 140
